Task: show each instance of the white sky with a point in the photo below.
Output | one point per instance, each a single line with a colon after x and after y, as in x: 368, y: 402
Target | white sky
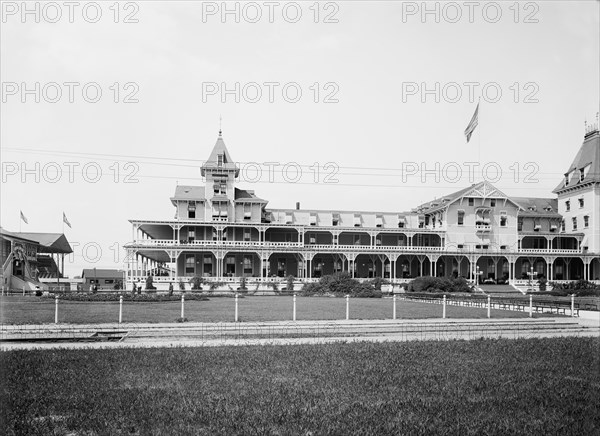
x: 369, y: 54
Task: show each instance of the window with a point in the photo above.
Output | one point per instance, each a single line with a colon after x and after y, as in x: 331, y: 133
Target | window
x: 357, y: 221
x: 207, y: 264
x: 312, y: 238
x: 248, y: 265
x: 219, y: 160
x: 503, y: 247
x: 356, y: 239
x: 335, y: 221
x: 461, y: 246
x: 379, y: 221
x: 108, y: 281
x: 581, y: 202
x: 586, y: 221
x: 246, y: 234
x: 520, y: 224
x: 562, y: 225
x: 461, y: 217
x: 471, y: 201
x: 493, y: 202
x: 536, y: 226
x: 192, y: 210
x: 247, y: 211
x: 313, y: 219
x: 214, y: 234
x: 191, y: 234
x: 503, y: 219
x: 581, y: 174
x: 574, y: 223
x: 568, y: 205
x: 190, y: 266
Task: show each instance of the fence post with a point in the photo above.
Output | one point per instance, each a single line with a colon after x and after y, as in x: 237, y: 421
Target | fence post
x: 347, y: 307
x: 489, y: 308
x: 236, y: 307
x: 56, y: 309
x: 182, y: 306
x: 394, y: 307
x: 294, y: 314
x: 120, y: 309
x: 572, y: 305
x: 530, y: 306
x: 444, y: 308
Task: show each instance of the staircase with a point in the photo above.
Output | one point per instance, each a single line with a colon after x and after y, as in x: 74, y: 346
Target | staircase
x: 500, y: 290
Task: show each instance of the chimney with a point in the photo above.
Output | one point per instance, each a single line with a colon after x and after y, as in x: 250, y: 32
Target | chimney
x: 297, y: 205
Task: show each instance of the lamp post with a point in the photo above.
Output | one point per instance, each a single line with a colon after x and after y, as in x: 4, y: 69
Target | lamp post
x: 477, y: 276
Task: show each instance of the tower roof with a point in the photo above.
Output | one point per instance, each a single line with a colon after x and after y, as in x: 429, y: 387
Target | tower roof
x: 214, y: 162
x: 588, y: 160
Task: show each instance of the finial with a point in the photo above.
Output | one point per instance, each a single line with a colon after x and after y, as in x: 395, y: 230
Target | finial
x: 220, y: 125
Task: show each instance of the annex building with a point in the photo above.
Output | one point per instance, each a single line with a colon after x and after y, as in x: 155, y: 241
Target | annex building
x: 222, y: 232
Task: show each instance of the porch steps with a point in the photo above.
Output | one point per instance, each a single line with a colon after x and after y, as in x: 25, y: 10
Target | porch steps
x: 500, y: 289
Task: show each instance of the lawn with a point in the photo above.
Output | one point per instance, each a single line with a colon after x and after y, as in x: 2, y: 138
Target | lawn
x: 531, y: 387
x: 39, y: 310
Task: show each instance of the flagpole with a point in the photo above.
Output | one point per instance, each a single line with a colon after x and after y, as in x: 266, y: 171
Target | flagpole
x: 479, y: 136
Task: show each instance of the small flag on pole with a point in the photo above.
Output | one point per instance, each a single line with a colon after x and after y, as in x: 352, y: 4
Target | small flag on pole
x: 23, y: 217
x: 65, y: 220
x: 472, y: 124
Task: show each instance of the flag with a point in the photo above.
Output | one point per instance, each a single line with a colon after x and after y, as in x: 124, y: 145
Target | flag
x: 472, y: 124
x: 66, y: 221
x: 23, y: 217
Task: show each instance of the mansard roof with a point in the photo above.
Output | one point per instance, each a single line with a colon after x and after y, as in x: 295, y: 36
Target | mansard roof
x: 587, y: 158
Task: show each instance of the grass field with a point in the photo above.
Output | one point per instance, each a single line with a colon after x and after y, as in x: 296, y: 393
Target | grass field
x: 532, y: 387
x: 38, y: 310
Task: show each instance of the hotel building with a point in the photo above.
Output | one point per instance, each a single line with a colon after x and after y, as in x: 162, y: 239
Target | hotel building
x: 222, y: 232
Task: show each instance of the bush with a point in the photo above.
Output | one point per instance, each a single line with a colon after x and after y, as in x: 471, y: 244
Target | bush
x: 181, y: 285
x: 150, y: 283
x: 438, y: 284
x: 341, y: 284
x: 243, y: 286
x: 581, y: 288
x: 290, y: 283
x: 196, y: 283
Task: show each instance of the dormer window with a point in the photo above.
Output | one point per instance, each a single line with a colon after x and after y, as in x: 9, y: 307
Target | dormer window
x: 566, y: 179
x: 313, y: 219
x: 288, y: 218
x: 379, y: 221
x: 335, y: 221
x: 357, y: 221
x: 537, y: 226
x: 581, y: 174
x: 219, y: 160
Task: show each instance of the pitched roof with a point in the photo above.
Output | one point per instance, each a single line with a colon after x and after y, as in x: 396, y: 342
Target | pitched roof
x: 189, y: 192
x: 4, y: 232
x: 50, y: 242
x: 242, y: 195
x: 219, y: 149
x: 547, y: 207
x: 588, y: 155
x: 482, y: 189
x: 102, y: 273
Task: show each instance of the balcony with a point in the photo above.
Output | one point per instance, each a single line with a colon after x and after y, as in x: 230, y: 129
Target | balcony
x: 483, y: 228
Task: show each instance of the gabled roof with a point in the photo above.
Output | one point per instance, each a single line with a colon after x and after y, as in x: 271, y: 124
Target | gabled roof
x: 220, y: 149
x: 102, y: 273
x: 482, y: 189
x: 242, y: 195
x: 188, y: 192
x: 588, y: 155
x: 19, y: 236
x: 50, y: 242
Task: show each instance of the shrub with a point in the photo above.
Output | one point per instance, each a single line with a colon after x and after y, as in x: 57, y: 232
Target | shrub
x: 542, y: 283
x: 275, y: 286
x: 197, y: 283
x: 341, y: 284
x: 215, y: 285
x: 150, y: 283
x: 438, y: 284
x: 290, y: 283
x: 243, y: 286
x: 581, y: 288
x: 181, y: 285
